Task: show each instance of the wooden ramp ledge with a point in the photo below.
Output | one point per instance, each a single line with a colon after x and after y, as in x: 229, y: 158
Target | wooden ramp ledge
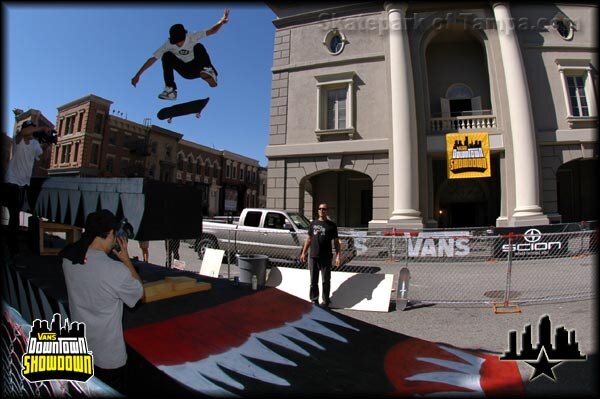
x: 172, y: 286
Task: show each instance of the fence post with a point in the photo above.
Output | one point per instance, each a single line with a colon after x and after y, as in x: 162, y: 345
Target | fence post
x: 406, y: 251
x: 228, y: 254
x: 506, y: 307
x: 393, y: 243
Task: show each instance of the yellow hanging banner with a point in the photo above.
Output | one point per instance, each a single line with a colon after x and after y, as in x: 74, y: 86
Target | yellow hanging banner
x: 468, y: 155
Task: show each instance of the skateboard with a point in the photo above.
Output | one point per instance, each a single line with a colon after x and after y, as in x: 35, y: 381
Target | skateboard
x: 402, y: 298
x: 191, y: 107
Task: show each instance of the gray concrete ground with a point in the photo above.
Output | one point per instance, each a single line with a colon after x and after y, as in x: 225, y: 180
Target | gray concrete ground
x: 476, y: 328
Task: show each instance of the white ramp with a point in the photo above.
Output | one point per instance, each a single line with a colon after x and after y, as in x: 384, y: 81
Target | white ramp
x: 211, y: 263
x: 357, y: 291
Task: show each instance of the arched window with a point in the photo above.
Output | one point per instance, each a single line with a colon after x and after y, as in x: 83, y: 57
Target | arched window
x: 459, y: 91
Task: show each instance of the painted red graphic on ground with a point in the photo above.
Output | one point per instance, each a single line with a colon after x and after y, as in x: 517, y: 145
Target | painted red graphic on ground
x: 418, y: 367
x: 210, y: 331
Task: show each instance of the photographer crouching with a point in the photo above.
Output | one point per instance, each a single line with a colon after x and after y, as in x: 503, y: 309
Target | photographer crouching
x: 29, y: 144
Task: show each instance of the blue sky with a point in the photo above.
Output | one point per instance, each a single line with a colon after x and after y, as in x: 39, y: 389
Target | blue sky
x: 58, y: 53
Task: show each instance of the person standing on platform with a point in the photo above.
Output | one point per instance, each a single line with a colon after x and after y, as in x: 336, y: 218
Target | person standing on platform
x: 97, y: 287
x: 25, y: 151
x: 320, y: 234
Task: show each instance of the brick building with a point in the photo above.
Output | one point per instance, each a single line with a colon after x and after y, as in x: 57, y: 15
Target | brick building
x: 93, y: 141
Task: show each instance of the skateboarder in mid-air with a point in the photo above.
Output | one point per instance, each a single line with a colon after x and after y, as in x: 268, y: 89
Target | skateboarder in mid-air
x: 184, y: 54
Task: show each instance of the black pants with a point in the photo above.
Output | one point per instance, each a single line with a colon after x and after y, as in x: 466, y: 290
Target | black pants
x: 316, y: 265
x: 113, y: 377
x: 13, y: 197
x: 188, y: 70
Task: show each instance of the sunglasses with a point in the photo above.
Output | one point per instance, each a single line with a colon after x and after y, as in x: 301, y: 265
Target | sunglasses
x: 322, y: 209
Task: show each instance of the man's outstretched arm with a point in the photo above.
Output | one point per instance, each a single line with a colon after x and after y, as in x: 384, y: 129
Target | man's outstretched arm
x: 146, y: 65
x: 215, y: 28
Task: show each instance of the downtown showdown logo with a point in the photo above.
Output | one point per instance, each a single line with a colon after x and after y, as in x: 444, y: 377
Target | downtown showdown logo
x: 57, y: 353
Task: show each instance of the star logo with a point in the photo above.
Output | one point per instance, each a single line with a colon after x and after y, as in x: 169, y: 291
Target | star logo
x: 543, y: 366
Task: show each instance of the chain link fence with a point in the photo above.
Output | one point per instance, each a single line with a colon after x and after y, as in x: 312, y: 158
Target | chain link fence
x: 447, y: 267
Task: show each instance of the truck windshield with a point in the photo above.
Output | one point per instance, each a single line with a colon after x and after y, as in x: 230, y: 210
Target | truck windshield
x: 299, y: 220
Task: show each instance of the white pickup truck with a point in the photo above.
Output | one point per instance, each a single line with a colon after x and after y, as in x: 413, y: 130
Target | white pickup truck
x: 275, y: 233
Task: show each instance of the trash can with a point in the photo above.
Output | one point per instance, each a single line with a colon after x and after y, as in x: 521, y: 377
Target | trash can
x: 253, y: 265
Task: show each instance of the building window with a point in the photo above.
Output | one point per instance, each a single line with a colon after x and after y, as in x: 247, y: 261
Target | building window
x: 151, y: 171
x: 168, y: 151
x: 577, y: 98
x: 190, y: 166
x: 80, y: 122
x: 228, y: 171
x: 336, y: 108
x: 334, y: 41
x: 56, y: 153
x: 110, y: 164
x: 154, y: 145
x: 579, y: 93
x: 99, y: 124
x: 70, y: 124
x: 216, y: 172
x: 207, y: 169
x: 95, y: 153
x: 112, y: 136
x: 123, y: 165
x: 64, y: 156
x: 76, y: 153
x: 180, y: 162
x: 563, y: 26
x: 199, y: 167
x: 335, y: 105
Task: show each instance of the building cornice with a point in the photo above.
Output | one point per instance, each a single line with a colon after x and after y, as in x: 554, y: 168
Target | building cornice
x: 88, y: 98
x: 329, y: 147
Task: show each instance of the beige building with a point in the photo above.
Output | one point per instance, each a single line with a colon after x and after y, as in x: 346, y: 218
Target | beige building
x: 363, y: 96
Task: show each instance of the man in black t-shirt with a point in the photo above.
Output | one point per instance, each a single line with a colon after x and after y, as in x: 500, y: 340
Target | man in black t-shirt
x: 320, y: 234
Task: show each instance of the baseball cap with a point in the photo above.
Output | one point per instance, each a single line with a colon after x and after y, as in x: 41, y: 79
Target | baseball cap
x: 177, y: 33
x: 99, y: 222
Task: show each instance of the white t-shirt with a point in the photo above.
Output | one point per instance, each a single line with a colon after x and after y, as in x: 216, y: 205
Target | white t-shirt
x: 20, y: 167
x: 186, y: 52
x: 97, y: 291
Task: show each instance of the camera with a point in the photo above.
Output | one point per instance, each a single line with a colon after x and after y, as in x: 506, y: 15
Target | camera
x: 125, y: 230
x: 46, y: 137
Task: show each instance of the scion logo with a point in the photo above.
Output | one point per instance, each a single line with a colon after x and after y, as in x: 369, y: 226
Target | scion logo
x: 532, y: 235
x: 57, y: 353
x: 532, y: 245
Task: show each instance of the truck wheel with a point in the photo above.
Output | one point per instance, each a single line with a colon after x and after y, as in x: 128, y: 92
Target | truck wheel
x: 205, y: 243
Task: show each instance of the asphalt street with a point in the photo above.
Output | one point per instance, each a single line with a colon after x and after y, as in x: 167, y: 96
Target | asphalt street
x: 477, y: 328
